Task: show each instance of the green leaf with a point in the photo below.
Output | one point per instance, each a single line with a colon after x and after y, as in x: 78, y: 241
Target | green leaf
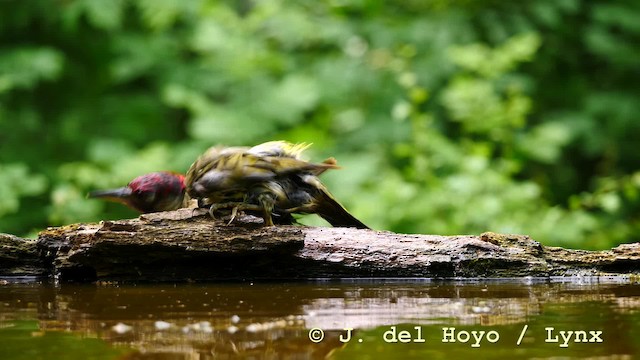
x: 17, y: 182
x: 23, y: 68
x: 105, y: 15
x: 545, y: 142
x: 289, y: 99
x: 161, y: 14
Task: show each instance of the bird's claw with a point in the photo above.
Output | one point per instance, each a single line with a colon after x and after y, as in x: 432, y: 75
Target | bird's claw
x: 212, y: 209
x: 234, y: 213
x: 235, y: 208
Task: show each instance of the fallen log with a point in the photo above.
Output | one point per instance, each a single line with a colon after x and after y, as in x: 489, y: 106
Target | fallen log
x: 187, y: 245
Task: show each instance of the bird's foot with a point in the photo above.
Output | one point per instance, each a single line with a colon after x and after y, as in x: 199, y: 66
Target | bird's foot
x: 235, y: 207
x: 234, y: 213
x: 267, y: 203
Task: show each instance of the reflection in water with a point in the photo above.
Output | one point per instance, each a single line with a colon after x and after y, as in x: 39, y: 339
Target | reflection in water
x: 273, y: 319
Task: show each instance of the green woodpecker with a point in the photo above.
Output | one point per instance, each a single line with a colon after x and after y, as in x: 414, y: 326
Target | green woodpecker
x: 270, y: 179
x: 153, y: 192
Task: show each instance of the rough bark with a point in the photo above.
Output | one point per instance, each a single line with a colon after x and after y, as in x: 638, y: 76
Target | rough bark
x: 20, y: 257
x: 188, y: 245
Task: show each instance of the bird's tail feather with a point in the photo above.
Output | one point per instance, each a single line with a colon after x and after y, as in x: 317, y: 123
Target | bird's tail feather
x: 333, y: 212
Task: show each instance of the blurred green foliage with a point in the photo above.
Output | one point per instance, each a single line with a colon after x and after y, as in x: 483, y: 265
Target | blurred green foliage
x: 448, y: 116
x: 24, y: 340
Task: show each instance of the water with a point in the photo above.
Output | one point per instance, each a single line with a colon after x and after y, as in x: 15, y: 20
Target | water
x: 390, y: 318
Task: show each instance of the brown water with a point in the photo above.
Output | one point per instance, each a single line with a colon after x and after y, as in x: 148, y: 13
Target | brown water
x: 390, y: 318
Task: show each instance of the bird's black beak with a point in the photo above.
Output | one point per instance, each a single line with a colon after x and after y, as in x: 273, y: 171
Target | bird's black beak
x: 119, y: 195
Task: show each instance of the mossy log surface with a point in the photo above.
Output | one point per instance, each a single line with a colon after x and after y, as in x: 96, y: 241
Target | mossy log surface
x: 187, y: 245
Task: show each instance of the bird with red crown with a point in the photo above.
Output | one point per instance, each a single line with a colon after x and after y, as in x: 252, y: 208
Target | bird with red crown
x: 153, y: 192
